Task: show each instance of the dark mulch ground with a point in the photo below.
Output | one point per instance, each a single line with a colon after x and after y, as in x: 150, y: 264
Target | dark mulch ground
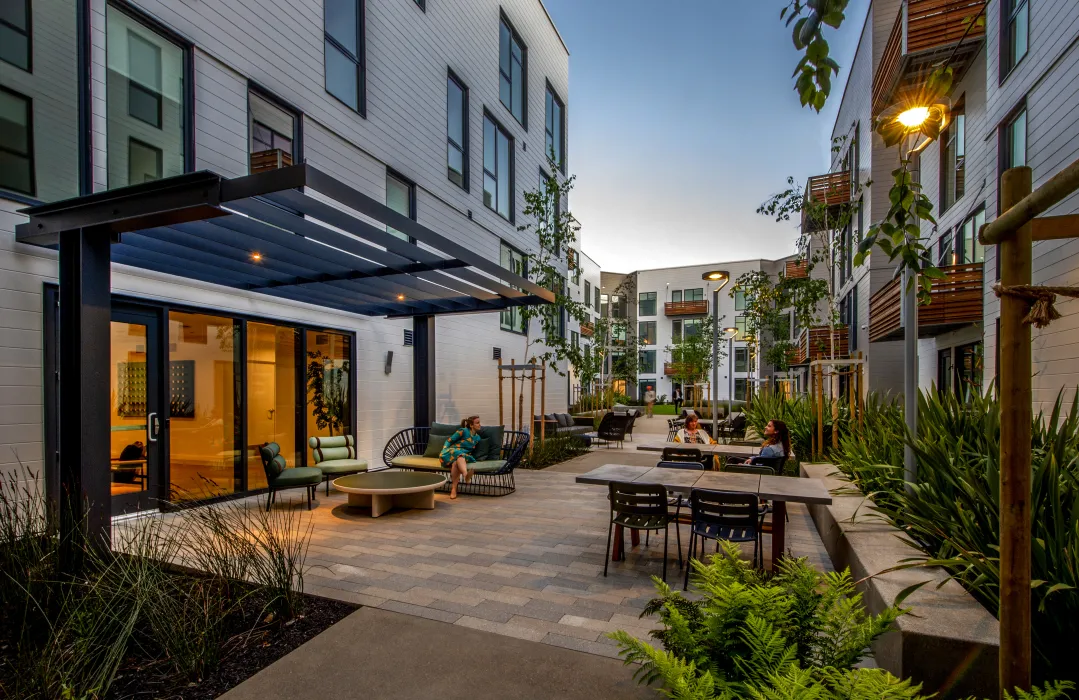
x: 253, y: 645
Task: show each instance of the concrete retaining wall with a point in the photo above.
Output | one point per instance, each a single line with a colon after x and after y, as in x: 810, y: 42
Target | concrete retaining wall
x: 949, y: 643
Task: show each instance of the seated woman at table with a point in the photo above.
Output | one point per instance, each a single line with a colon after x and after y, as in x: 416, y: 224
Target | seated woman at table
x: 693, y: 433
x: 777, y: 442
x: 457, y: 452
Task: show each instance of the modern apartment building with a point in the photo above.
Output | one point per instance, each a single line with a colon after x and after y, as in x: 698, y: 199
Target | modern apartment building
x: 443, y: 111
x: 664, y: 305
x: 1015, y: 63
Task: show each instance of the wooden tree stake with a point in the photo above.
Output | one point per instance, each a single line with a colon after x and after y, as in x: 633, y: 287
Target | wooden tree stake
x: 1014, y: 256
x: 513, y: 394
x: 501, y: 413
x: 543, y: 400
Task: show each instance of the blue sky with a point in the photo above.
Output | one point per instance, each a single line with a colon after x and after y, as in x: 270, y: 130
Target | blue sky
x: 682, y: 119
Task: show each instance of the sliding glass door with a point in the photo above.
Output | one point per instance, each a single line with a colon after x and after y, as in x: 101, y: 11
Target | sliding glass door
x: 273, y: 396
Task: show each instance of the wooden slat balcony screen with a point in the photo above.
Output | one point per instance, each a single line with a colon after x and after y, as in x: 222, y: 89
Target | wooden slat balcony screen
x: 814, y: 344
x: 685, y: 308
x: 587, y: 330
x: 830, y: 189
x: 272, y: 159
x: 670, y: 369
x: 796, y: 269
x: 925, y: 31
x: 955, y: 301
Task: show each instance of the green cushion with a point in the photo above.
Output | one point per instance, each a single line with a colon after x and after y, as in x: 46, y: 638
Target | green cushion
x: 490, y: 447
x: 415, y: 462
x: 435, y: 443
x: 343, y: 466
x: 488, y: 465
x: 335, y: 441
x: 297, y: 476
x: 444, y: 428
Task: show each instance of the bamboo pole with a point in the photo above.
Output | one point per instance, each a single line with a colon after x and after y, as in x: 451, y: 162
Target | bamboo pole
x: 820, y: 410
x: 513, y: 394
x: 532, y: 412
x: 1014, y: 255
x: 833, y: 397
x: 1026, y: 207
x: 543, y: 400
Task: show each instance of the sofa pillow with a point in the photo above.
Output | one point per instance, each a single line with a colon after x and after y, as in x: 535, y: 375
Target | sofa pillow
x: 561, y: 420
x: 435, y: 443
x: 446, y: 429
x: 490, y: 444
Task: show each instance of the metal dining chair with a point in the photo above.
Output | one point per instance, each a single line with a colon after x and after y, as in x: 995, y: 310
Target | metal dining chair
x: 765, y: 507
x: 678, y: 500
x: 723, y: 515
x: 639, y: 507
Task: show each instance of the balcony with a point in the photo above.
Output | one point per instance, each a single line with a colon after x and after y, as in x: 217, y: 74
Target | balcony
x: 925, y: 32
x: 587, y: 330
x: 832, y: 190
x: 796, y: 269
x: 670, y: 369
x: 685, y: 308
x: 813, y: 344
x: 275, y: 158
x: 955, y: 301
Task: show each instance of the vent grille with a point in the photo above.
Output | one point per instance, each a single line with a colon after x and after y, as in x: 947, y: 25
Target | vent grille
x: 408, y: 338
x: 496, y: 353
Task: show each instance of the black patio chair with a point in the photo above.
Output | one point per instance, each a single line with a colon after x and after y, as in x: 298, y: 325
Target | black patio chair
x: 683, y: 454
x: 673, y: 425
x: 612, y: 428
x: 723, y: 515
x: 639, y: 507
x: 775, y: 464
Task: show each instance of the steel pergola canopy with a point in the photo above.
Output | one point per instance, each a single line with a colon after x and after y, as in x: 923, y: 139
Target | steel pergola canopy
x: 294, y: 233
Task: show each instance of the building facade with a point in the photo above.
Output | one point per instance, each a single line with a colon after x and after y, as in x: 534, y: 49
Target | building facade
x: 1007, y: 108
x: 444, y: 111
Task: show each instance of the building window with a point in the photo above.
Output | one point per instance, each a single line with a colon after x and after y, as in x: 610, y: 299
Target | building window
x: 783, y: 327
x: 145, y: 90
x: 740, y: 324
x: 852, y: 328
x: 556, y: 129
x: 648, y: 363
x: 693, y: 294
x: 596, y: 293
x: 587, y: 294
x: 273, y: 134
x: 16, y: 143
x: 968, y: 247
x: 946, y: 249
x: 1014, y: 141
x: 646, y: 332
x: 741, y: 359
x: 602, y: 303
x: 513, y: 71
x: 15, y: 33
x: 547, y: 187
x: 456, y: 131
x: 740, y: 389
x: 739, y: 300
x: 143, y: 162
x: 513, y: 260
x: 1014, y: 37
x: 685, y: 328
x: 646, y: 304
x: 497, y: 168
x: 945, y: 372
x: 345, y: 52
x: 953, y: 153
x: 401, y: 197
x: 968, y: 369
x: 575, y: 339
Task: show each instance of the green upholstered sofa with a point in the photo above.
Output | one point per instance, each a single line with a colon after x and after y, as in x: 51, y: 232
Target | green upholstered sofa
x: 336, y: 456
x: 279, y: 476
x: 408, y: 449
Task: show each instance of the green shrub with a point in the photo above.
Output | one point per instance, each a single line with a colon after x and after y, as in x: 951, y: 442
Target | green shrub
x: 952, y: 510
x: 554, y: 449
x: 796, y: 412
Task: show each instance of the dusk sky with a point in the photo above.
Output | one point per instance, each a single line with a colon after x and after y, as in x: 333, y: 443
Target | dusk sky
x: 682, y: 120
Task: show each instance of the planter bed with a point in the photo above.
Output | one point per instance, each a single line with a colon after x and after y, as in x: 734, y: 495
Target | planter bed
x: 950, y: 642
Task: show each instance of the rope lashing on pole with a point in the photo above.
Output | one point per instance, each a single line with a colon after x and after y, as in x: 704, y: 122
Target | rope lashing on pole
x: 1041, y: 299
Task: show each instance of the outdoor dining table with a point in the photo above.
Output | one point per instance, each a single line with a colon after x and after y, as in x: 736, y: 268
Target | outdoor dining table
x: 780, y: 490
x: 744, y: 451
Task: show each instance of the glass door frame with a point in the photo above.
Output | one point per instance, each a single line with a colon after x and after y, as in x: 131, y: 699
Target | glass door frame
x: 157, y: 477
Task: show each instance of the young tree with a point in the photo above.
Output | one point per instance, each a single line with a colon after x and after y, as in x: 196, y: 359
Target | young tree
x: 691, y: 355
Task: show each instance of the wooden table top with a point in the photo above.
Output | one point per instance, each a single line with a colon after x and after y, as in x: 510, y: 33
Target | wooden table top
x: 731, y: 450
x: 772, y: 488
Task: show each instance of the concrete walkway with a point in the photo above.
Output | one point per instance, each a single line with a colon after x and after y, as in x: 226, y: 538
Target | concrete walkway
x: 387, y: 655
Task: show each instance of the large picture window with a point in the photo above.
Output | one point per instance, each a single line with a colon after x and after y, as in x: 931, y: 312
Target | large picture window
x: 646, y: 304
x: 1014, y: 33
x: 646, y: 332
x: 497, y: 168
x: 953, y: 152
x: 512, y: 71
x: 146, y: 102
x: 401, y: 197
x: 345, y: 52
x: 555, y: 129
x: 16, y: 143
x: 273, y: 134
x: 15, y: 33
x: 511, y: 319
x: 968, y: 248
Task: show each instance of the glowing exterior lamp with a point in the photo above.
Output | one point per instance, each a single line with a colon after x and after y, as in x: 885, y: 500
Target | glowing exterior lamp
x: 914, y: 117
x: 256, y: 256
x: 732, y: 333
x: 720, y: 276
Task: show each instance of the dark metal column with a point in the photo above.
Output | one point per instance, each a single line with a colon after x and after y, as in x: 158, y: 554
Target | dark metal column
x: 85, y: 310
x: 423, y: 370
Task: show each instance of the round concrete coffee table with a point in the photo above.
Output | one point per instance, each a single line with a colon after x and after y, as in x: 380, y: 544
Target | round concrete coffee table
x: 383, y: 490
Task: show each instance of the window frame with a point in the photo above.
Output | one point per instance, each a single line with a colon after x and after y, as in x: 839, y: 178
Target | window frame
x: 29, y: 144
x: 1009, y: 10
x: 587, y: 294
x: 511, y: 145
x: 411, y: 186
x: 960, y: 240
x: 546, y: 180
x: 649, y: 369
x: 694, y: 290
x: 951, y: 133
x: 503, y: 245
x: 742, y: 361
x: 561, y: 160
x: 647, y: 338
x: 28, y: 33
x: 739, y: 300
x: 514, y: 37
x: 132, y: 141
x: 188, y: 48
x: 1005, y: 135
x: 297, y: 120
x: 360, y: 58
x: 654, y: 300
x: 451, y: 76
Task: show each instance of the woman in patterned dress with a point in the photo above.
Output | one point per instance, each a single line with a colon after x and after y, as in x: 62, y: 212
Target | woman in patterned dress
x: 457, y: 452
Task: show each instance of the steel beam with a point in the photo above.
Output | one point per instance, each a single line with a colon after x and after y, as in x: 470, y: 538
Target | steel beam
x: 423, y: 370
